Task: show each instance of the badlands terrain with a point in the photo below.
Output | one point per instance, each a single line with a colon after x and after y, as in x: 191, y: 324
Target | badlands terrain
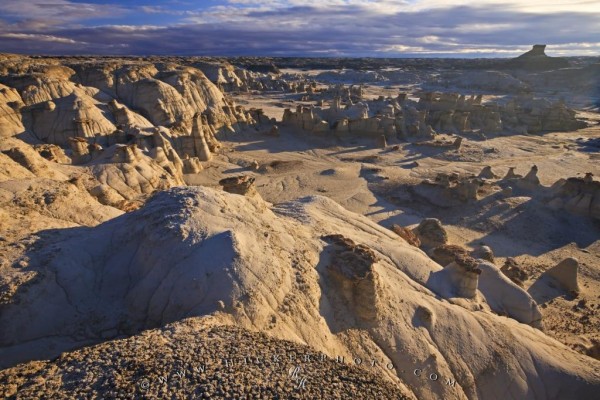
x: 187, y: 227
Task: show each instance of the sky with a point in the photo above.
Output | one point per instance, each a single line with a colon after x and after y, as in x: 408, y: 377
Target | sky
x: 315, y: 28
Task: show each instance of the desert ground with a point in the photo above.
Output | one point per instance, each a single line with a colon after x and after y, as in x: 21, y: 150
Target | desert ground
x: 424, y: 228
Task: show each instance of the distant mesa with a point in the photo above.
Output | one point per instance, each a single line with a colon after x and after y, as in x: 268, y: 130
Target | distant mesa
x: 536, y: 59
x: 263, y: 68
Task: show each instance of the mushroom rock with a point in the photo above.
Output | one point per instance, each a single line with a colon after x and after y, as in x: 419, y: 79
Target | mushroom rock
x: 351, y: 270
x: 431, y: 233
x: 458, y: 279
x: 565, y: 274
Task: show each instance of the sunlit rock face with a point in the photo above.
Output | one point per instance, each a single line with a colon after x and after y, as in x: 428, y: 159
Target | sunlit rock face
x: 117, y: 101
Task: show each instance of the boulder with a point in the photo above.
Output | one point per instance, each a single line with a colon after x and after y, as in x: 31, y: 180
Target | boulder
x: 565, y: 274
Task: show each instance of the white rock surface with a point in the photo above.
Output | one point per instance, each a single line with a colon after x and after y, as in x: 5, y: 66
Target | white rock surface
x: 190, y: 250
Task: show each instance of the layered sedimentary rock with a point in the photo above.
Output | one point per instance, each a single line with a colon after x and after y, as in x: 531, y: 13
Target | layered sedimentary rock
x: 433, y: 113
x: 116, y: 102
x: 277, y: 281
x: 235, y: 79
x: 125, y: 173
x: 577, y: 195
x: 10, y: 112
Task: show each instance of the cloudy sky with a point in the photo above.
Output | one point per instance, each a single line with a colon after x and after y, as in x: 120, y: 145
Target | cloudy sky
x: 386, y: 28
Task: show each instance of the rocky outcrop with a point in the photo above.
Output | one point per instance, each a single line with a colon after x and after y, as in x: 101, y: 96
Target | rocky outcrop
x: 507, y: 297
x: 118, y: 364
x: 124, y: 175
x: 57, y: 120
x: 484, y: 253
x: 447, y: 254
x: 117, y: 102
x: 579, y: 196
x: 449, y: 113
x: 451, y: 188
x: 265, y: 278
x: 514, y: 272
x: 352, y: 273
x: 10, y: 112
x: 243, y: 184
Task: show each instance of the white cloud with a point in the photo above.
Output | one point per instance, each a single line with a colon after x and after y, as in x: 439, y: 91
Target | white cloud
x: 39, y: 38
x: 320, y: 27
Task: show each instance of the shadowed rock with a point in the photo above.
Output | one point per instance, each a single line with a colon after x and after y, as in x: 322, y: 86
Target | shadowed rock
x: 565, y: 274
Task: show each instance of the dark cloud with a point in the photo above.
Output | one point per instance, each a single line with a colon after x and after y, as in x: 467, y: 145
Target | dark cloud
x: 349, y: 30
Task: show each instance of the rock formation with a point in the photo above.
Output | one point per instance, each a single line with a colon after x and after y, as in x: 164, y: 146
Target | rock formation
x: 565, y: 274
x: 352, y: 272
x: 487, y: 173
x: 242, y: 184
x: 580, y: 196
x: 94, y: 103
x: 408, y: 235
x: 484, y: 253
x: 514, y: 272
x: 258, y: 255
x: 536, y: 59
x: 447, y: 254
x: 431, y: 233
